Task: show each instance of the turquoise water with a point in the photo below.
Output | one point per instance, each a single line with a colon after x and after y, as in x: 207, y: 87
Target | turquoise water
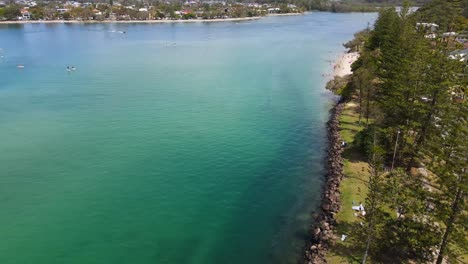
x: 172, y: 143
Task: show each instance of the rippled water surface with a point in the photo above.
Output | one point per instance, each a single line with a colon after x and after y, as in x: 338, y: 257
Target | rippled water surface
x: 172, y: 143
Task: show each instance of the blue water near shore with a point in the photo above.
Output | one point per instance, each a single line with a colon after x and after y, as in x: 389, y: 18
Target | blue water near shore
x: 172, y: 143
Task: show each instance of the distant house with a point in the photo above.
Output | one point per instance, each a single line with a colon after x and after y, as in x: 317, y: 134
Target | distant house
x: 124, y: 17
x: 211, y: 2
x: 25, y: 15
x: 97, y: 12
x: 61, y: 10
x: 21, y: 2
x: 461, y: 55
x: 449, y: 34
x: 73, y: 3
x: 428, y: 26
x: 273, y: 10
x: 253, y: 5
x: 2, y: 4
x: 462, y: 39
x: 143, y: 10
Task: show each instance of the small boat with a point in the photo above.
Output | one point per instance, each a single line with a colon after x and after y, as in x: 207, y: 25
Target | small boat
x: 20, y: 66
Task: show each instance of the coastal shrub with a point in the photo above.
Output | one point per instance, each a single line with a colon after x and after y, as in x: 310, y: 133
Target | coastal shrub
x: 11, y: 12
x: 347, y: 91
x: 66, y: 16
x: 338, y: 84
x: 189, y: 16
x: 358, y: 41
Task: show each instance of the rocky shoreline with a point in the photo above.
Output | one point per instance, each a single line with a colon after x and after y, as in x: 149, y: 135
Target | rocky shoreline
x: 321, y: 233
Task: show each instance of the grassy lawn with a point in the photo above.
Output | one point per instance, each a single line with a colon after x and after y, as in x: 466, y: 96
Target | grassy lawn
x: 353, y: 188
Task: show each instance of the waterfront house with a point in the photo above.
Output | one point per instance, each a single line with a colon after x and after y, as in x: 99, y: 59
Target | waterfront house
x: 273, y: 10
x: 97, y: 12
x: 61, y: 10
x: 25, y: 15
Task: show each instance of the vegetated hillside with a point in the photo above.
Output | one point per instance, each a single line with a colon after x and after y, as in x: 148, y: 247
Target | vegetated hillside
x: 409, y: 89
x: 393, y: 2
x: 449, y: 15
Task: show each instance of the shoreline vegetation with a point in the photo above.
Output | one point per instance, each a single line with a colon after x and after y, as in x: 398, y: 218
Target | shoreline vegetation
x: 396, y: 183
x: 107, y: 11
x: 127, y: 21
x: 128, y: 11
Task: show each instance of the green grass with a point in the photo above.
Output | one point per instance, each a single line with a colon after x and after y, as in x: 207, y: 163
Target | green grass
x: 353, y: 188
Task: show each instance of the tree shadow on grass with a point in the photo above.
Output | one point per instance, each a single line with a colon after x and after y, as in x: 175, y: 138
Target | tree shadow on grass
x: 350, y: 130
x: 350, y: 115
x: 353, y: 247
x: 355, y: 123
x: 357, y: 178
x: 353, y: 154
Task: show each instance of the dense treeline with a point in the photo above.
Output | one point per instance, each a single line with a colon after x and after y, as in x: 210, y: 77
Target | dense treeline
x: 157, y: 9
x: 341, y: 6
x: 139, y: 10
x: 411, y: 98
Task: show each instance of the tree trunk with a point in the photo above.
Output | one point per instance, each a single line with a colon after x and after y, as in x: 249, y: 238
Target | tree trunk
x: 424, y: 128
x: 367, y: 106
x: 367, y: 251
x: 360, y: 100
x: 450, y: 222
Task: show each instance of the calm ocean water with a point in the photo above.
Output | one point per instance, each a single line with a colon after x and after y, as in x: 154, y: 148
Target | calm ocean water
x: 172, y: 143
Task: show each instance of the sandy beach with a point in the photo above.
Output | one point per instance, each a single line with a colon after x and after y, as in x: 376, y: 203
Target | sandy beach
x: 342, y: 66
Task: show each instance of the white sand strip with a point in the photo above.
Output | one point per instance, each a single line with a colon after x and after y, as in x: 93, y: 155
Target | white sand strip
x: 342, y: 66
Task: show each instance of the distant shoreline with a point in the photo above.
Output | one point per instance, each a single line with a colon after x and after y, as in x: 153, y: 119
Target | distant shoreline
x: 142, y: 21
